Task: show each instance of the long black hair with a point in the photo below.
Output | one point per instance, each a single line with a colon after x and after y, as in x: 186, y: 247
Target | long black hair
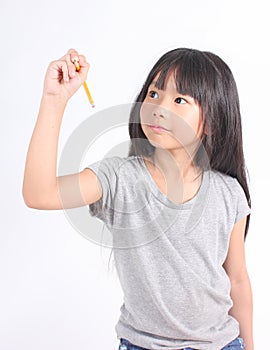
x: 208, y: 79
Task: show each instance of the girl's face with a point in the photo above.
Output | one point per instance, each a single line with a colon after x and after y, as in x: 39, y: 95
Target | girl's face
x: 170, y: 120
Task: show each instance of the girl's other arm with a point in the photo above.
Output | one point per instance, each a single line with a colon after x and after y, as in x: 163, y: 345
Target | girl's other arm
x: 42, y: 189
x: 241, y: 292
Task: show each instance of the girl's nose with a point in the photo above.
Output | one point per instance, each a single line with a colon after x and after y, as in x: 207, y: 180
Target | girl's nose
x: 160, y: 112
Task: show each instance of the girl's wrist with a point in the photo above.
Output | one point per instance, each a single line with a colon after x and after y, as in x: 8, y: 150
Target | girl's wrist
x: 53, y: 101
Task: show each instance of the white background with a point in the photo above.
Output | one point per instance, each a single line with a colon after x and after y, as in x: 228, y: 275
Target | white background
x: 58, y: 290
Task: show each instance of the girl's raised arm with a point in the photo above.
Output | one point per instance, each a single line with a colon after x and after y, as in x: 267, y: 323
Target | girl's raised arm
x: 42, y: 189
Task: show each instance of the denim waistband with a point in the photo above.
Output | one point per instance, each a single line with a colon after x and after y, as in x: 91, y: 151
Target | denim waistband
x: 236, y: 344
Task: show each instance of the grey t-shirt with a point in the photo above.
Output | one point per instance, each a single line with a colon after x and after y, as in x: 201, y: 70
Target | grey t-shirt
x: 169, y: 256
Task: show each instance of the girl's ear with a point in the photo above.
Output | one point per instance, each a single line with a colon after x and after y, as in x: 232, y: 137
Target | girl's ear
x: 206, y: 130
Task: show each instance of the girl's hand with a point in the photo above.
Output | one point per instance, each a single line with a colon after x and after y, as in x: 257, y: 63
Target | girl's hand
x: 62, y: 80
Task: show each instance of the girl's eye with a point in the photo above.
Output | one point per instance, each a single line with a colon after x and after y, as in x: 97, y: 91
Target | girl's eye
x: 180, y: 100
x: 153, y: 94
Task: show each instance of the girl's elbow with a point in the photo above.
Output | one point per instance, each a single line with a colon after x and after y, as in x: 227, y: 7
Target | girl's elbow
x: 239, y: 279
x: 31, y: 201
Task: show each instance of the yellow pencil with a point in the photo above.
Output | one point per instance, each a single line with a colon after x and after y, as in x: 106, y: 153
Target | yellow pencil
x: 90, y: 98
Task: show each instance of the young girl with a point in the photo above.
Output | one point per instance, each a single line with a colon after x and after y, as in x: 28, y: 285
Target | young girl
x: 178, y: 205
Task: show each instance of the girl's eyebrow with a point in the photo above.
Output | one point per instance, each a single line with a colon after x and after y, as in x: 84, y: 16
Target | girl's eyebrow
x: 179, y: 93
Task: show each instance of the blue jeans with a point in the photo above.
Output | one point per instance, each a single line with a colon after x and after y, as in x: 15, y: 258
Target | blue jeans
x: 236, y: 344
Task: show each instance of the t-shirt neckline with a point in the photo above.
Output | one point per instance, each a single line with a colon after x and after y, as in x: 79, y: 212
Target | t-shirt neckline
x: 200, y: 194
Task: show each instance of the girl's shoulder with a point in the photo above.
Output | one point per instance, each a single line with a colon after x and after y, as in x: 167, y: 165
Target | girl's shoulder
x: 124, y: 163
x: 117, y: 165
x: 220, y: 176
x: 226, y: 183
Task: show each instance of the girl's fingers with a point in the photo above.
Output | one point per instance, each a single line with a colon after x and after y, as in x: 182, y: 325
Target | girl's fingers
x: 69, y: 59
x: 70, y: 64
x: 60, y: 74
x: 58, y: 70
x: 84, y: 66
x: 83, y: 62
x: 64, y: 68
x: 71, y: 56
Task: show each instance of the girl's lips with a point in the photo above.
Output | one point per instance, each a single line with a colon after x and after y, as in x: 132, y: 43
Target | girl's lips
x: 158, y: 128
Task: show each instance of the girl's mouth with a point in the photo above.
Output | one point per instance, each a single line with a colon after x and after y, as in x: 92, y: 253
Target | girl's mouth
x: 158, y: 128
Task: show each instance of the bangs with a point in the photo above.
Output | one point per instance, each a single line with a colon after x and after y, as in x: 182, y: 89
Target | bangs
x: 189, y: 75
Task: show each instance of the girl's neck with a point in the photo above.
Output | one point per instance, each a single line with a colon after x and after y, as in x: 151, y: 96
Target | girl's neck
x: 173, y: 165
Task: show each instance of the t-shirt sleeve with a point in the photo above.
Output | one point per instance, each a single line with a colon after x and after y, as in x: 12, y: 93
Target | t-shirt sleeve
x: 242, y: 207
x: 106, y: 171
